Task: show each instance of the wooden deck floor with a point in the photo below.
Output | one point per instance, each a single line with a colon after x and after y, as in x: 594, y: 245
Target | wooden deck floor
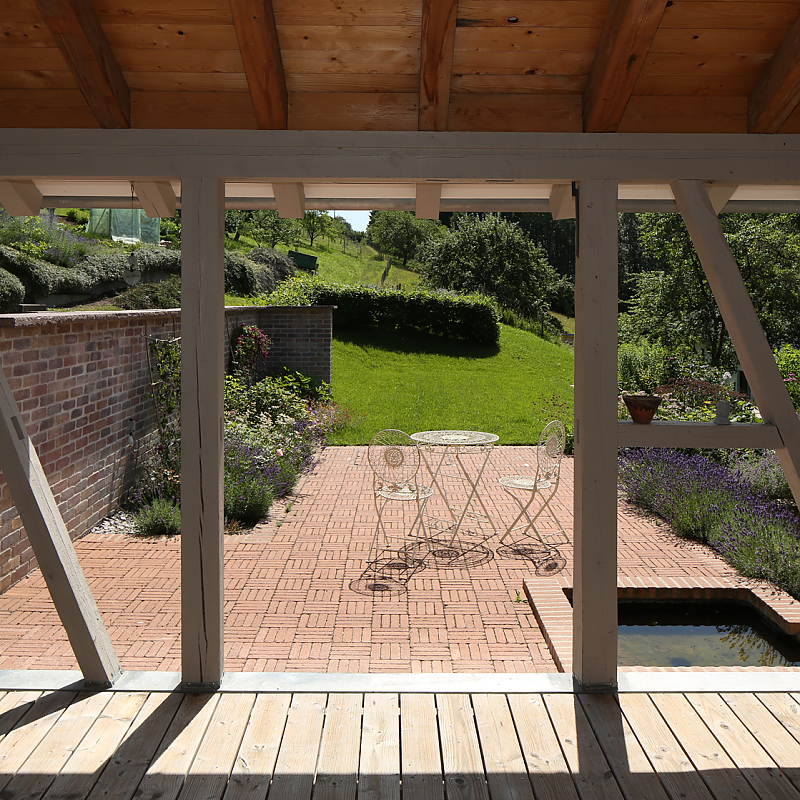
x: 383, y: 746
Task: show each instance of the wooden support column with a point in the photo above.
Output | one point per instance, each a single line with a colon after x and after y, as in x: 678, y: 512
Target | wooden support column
x: 742, y: 322
x: 595, y: 580
x: 54, y: 550
x: 202, y: 376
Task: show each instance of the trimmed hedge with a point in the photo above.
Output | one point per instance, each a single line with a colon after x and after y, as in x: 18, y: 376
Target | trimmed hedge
x: 281, y: 266
x: 41, y: 278
x: 471, y: 318
x: 11, y: 292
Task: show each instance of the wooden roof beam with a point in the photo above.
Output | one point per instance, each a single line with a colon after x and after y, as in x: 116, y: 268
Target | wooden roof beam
x: 290, y: 199
x: 777, y: 92
x: 562, y: 201
x: 261, y: 53
x: 436, y: 51
x: 157, y: 198
x: 624, y: 43
x: 20, y: 198
x: 83, y: 43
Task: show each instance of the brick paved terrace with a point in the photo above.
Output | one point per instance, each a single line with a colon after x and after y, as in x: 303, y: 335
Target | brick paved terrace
x: 288, y: 602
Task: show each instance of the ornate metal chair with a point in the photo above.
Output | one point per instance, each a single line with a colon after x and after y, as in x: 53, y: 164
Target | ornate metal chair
x: 527, y: 541
x: 396, y: 552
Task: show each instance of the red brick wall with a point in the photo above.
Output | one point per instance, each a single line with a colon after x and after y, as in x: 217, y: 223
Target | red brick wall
x: 82, y: 383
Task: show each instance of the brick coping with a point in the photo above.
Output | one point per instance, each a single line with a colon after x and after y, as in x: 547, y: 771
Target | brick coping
x: 549, y: 601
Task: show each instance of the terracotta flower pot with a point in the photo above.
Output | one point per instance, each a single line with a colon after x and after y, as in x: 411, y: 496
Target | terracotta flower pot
x: 642, y: 408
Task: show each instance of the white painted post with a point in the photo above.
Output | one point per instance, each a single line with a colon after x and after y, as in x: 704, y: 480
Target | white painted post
x: 595, y: 568
x: 742, y: 322
x: 54, y: 550
x: 202, y: 376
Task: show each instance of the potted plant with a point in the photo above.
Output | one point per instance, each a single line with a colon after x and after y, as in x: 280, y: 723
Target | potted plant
x: 642, y: 407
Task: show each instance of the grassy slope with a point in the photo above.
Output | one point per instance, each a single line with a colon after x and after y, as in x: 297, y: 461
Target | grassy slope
x: 388, y: 381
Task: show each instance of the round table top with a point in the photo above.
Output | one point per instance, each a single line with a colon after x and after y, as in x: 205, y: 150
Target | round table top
x: 445, y: 438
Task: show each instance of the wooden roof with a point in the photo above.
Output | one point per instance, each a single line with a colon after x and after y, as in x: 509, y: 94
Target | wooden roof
x: 684, y: 66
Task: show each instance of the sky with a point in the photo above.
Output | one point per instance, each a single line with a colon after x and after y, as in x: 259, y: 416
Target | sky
x: 358, y: 219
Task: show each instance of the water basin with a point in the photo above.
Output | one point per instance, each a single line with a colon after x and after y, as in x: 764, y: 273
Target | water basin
x: 684, y: 633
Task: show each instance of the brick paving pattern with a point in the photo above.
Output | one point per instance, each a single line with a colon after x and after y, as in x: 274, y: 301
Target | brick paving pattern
x: 288, y: 603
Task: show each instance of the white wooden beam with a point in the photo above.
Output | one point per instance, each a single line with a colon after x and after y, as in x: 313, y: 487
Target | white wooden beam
x: 429, y: 199
x: 157, y: 198
x: 291, y: 200
x: 20, y: 198
x: 202, y: 430
x: 719, y: 194
x: 595, y: 499
x: 52, y: 546
x: 741, y: 320
x: 676, y: 433
x: 562, y: 203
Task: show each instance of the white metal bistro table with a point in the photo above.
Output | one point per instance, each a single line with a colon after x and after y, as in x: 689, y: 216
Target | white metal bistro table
x: 443, y: 453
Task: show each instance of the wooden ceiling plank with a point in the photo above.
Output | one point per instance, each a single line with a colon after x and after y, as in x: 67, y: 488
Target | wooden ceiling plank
x: 290, y: 199
x: 258, y: 41
x: 777, y: 92
x: 157, y: 198
x: 83, y: 43
x: 624, y: 43
x: 429, y: 200
x: 20, y: 198
x: 436, y: 52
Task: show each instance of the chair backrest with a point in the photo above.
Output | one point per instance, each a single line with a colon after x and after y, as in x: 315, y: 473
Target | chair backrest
x: 393, y: 456
x: 552, y: 441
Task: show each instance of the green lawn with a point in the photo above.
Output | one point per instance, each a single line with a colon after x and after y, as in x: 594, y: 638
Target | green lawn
x: 415, y: 384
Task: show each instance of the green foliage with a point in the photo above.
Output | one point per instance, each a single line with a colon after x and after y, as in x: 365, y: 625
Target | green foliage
x: 547, y: 326
x: 171, y: 230
x: 159, y: 518
x: 315, y: 223
x: 471, y: 318
x: 304, y: 386
x: 165, y: 294
x: 642, y: 366
x: 493, y: 256
x: 267, y: 398
x: 77, y: 216
x: 281, y: 266
x: 240, y: 274
x: 56, y: 244
x: 11, y: 292
x: 247, y: 498
x: 268, y: 227
x: 164, y: 358
x: 250, y: 350
x: 400, y: 233
x: 41, y: 278
x: 788, y: 360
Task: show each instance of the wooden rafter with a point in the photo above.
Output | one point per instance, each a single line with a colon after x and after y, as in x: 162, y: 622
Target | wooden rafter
x: 261, y: 54
x: 438, y: 40
x: 20, y: 198
x: 624, y: 43
x: 83, y: 43
x: 777, y: 93
x: 157, y: 198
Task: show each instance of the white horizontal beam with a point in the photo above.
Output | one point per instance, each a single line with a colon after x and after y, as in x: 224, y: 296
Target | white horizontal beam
x: 290, y: 199
x: 157, y: 198
x: 299, y: 156
x: 20, y: 198
x: 429, y: 199
x: 675, y: 433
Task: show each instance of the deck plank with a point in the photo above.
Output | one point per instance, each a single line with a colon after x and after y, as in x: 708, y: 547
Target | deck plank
x: 785, y: 709
x: 46, y: 760
x: 29, y: 730
x: 90, y: 758
x: 214, y: 761
x: 297, y: 758
x: 464, y: 776
x: 590, y: 770
x: 421, y: 763
x: 634, y: 773
x: 506, y: 772
x: 547, y: 769
x: 379, y: 767
x: 14, y: 706
x: 783, y: 748
x: 128, y: 765
x: 337, y: 766
x: 674, y: 767
x: 750, y: 757
x: 166, y: 774
x: 258, y: 753
x: 710, y: 760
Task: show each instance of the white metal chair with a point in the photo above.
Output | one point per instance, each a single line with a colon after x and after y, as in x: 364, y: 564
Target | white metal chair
x: 396, y: 552
x: 527, y: 540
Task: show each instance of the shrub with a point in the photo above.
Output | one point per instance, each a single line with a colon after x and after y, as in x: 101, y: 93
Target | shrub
x: 250, y: 350
x: 762, y: 470
x: 41, y: 278
x: 471, y: 318
x: 159, y: 518
x: 247, y: 497
x: 282, y: 266
x: 166, y: 294
x: 265, y: 398
x: 643, y: 366
x: 240, y: 274
x: 788, y: 360
x: 156, y: 259
x: 57, y: 244
x: 11, y: 292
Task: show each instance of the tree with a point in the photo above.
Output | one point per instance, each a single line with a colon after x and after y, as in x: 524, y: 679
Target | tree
x: 491, y: 255
x: 675, y: 306
x: 315, y: 223
x: 400, y: 233
x: 269, y: 227
x: 235, y: 220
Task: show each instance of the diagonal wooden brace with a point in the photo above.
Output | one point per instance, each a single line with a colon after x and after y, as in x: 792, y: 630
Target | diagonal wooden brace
x: 742, y: 323
x: 53, y: 548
